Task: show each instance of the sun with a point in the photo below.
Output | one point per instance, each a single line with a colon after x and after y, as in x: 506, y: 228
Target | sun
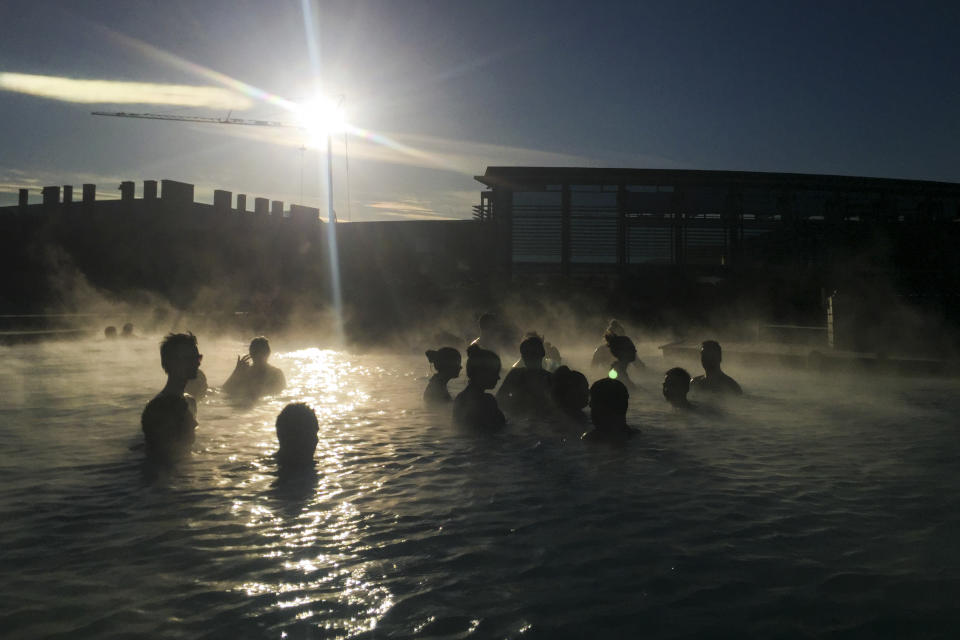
x: 320, y: 117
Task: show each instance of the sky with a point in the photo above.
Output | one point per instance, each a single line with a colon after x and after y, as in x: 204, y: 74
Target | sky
x: 435, y: 91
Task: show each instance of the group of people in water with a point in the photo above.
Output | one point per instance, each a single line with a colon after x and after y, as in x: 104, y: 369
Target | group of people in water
x: 169, y: 420
x: 537, y: 384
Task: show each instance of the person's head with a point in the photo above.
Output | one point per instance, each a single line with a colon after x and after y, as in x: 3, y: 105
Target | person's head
x: 608, y: 403
x: 297, y: 429
x: 710, y: 354
x: 483, y: 367
x: 570, y: 389
x: 621, y: 347
x: 179, y: 355
x: 168, y: 427
x: 110, y: 332
x: 615, y: 327
x: 676, y: 384
x: 446, y: 360
x: 259, y: 350
x: 532, y: 351
x: 127, y: 331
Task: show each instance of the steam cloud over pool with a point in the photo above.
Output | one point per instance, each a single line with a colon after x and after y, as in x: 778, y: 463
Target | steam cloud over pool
x: 810, y: 507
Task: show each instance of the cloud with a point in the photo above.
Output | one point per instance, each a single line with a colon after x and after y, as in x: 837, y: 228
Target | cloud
x: 409, y: 209
x: 121, y: 92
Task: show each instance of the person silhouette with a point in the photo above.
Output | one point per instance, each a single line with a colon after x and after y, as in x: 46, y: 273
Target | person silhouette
x: 446, y: 361
x: 527, y: 386
x: 609, y: 399
x: 601, y: 355
x: 676, y: 384
x: 714, y: 379
x: 571, y: 393
x: 496, y: 334
x: 168, y: 431
x: 625, y: 353
x: 297, y: 429
x: 473, y: 407
x: 253, y: 377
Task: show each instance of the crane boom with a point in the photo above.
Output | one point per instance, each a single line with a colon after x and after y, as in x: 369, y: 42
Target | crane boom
x: 208, y: 120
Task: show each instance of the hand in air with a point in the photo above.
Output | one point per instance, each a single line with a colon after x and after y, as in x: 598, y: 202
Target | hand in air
x: 243, y: 361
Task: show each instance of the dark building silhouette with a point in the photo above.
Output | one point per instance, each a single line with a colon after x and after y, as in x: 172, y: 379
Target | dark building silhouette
x: 697, y: 240
x: 658, y: 246
x: 225, y: 258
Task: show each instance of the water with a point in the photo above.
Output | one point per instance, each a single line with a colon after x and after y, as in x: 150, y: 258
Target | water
x: 814, y: 507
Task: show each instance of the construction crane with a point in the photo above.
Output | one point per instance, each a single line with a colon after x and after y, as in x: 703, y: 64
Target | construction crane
x: 208, y: 120
x: 250, y: 123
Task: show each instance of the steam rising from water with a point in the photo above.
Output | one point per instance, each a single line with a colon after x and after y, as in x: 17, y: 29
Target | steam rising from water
x: 810, y: 494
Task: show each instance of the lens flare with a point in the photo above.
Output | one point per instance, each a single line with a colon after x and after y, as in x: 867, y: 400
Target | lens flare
x: 320, y: 117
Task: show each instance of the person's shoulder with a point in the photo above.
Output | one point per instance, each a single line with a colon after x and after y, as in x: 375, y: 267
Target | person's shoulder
x: 515, y: 373
x: 435, y: 393
x: 732, y: 384
x: 163, y: 404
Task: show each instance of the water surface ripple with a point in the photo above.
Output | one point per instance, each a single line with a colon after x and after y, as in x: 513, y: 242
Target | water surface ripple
x: 813, y: 507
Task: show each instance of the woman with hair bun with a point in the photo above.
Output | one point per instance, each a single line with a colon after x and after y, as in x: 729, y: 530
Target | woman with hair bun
x: 446, y: 362
x: 623, y: 349
x: 474, y: 407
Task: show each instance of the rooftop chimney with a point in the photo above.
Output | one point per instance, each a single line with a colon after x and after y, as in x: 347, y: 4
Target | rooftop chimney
x: 149, y: 189
x: 276, y: 208
x: 222, y: 200
x: 24, y: 200
x: 241, y: 202
x: 67, y: 194
x: 51, y: 196
x: 261, y: 206
x: 89, y: 193
x: 127, y: 190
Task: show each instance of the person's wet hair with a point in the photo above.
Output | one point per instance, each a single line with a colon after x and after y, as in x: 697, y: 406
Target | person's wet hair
x: 619, y: 345
x: 532, y: 348
x: 297, y: 429
x: 110, y: 332
x: 446, y: 361
x: 259, y: 347
x: 170, y: 344
x: 570, y: 389
x: 609, y: 400
x: 444, y: 357
x: 615, y: 328
x: 676, y: 384
x: 481, y: 361
x: 609, y: 397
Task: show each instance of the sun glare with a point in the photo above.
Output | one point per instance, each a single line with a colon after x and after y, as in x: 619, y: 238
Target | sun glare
x: 320, y: 116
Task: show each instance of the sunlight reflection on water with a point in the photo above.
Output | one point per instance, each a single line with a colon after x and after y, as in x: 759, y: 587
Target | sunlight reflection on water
x: 811, y: 495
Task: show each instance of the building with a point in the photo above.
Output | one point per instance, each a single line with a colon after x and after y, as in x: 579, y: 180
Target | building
x: 588, y: 220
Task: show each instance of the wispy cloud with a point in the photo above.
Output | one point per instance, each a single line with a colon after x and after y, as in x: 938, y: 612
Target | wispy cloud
x: 462, y: 157
x: 408, y: 209
x: 91, y: 91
